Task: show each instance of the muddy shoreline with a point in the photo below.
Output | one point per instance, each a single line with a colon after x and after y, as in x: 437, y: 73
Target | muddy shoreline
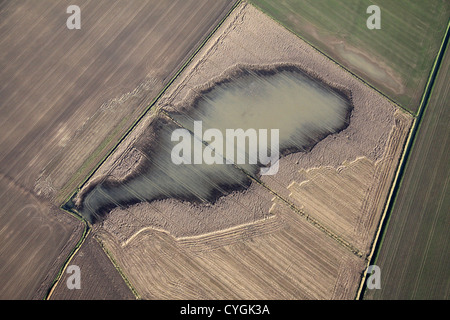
x: 148, y: 143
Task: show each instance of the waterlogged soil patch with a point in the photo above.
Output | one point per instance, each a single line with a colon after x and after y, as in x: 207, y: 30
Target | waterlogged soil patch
x: 304, y: 109
x: 301, y: 108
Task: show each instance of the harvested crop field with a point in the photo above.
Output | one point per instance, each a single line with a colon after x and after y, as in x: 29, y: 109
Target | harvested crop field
x: 395, y: 59
x: 67, y: 97
x: 266, y: 240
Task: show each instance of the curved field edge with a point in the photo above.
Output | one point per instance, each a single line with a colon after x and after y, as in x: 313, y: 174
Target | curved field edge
x: 406, y: 159
x: 83, y: 237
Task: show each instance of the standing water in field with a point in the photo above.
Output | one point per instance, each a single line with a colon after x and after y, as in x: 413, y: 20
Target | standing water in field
x: 303, y: 109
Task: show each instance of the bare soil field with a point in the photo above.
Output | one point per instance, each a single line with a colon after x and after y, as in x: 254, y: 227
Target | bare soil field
x: 35, y: 238
x: 66, y: 98
x: 282, y: 247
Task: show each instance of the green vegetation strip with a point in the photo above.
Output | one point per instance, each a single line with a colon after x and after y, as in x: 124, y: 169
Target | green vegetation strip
x: 405, y: 158
x: 92, y: 157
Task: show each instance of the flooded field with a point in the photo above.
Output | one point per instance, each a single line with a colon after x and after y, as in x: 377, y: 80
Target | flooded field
x: 303, y: 109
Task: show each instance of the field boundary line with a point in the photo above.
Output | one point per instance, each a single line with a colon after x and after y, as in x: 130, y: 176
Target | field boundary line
x: 336, y: 62
x: 80, y: 242
x: 347, y: 245
x: 119, y: 270
x: 396, y: 185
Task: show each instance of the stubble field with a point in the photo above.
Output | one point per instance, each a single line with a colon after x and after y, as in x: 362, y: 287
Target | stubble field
x: 395, y: 59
